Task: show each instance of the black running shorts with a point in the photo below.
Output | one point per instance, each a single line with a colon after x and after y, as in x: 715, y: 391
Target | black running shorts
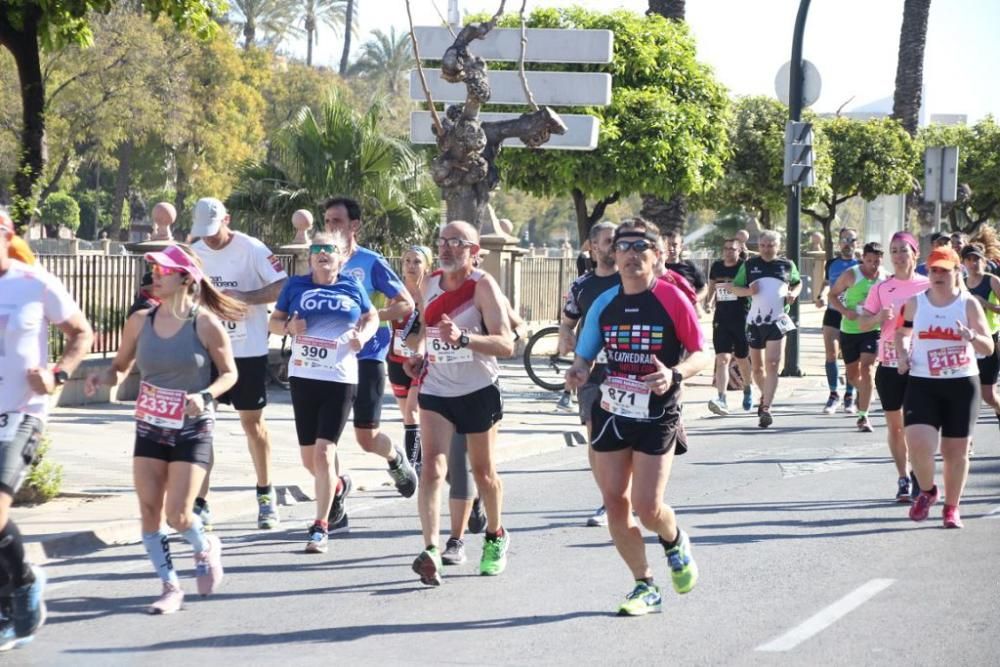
x: 852, y: 345
x: 655, y: 437
x: 473, y: 413
x: 832, y: 318
x: 891, y: 387
x: 368, y: 396
x: 190, y: 444
x: 398, y: 379
x: 250, y: 390
x: 989, y: 367
x: 730, y: 337
x: 17, y: 454
x: 951, y: 405
x: 320, y: 408
x: 758, y: 335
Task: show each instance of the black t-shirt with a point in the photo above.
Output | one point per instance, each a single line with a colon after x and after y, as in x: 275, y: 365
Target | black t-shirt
x: 584, y: 263
x: 726, y: 309
x: 582, y: 294
x: 690, y: 272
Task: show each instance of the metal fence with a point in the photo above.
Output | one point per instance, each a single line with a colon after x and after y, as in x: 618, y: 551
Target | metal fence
x: 544, y: 282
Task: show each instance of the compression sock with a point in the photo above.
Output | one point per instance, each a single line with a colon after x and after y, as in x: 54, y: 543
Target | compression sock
x: 264, y: 490
x: 831, y: 376
x: 195, y: 535
x: 158, y: 548
x: 849, y: 392
x: 12, y: 555
x: 411, y: 440
x: 495, y: 536
x: 646, y: 580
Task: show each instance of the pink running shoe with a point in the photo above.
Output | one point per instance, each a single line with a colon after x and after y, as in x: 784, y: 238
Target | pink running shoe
x: 952, y: 519
x: 921, y: 507
x: 171, y: 600
x: 208, y: 566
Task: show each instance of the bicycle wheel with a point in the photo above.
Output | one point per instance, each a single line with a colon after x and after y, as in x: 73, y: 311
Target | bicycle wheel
x: 542, y: 360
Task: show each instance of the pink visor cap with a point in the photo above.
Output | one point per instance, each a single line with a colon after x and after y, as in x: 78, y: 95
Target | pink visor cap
x: 173, y: 257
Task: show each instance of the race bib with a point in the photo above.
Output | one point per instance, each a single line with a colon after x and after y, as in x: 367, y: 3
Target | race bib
x: 784, y: 324
x: 160, y: 407
x: 237, y: 330
x: 888, y: 356
x: 722, y: 293
x: 442, y: 352
x: 625, y: 397
x: 314, y: 353
x: 945, y: 361
x: 399, y: 344
x: 9, y: 421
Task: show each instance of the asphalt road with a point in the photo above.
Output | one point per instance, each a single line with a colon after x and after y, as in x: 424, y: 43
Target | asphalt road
x: 804, y: 559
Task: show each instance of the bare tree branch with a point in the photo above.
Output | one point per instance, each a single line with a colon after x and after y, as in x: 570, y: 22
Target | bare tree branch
x: 420, y: 72
x: 524, y: 47
x: 443, y: 19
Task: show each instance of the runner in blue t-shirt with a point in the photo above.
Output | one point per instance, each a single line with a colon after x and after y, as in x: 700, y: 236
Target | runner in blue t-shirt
x: 342, y: 215
x: 831, y: 320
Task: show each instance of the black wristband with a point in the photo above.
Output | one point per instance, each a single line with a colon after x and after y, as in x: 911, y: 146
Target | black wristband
x: 907, y: 324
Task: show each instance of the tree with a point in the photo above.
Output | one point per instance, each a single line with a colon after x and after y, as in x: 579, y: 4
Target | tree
x: 668, y: 9
x: 386, y: 58
x: 910, y: 64
x: 350, y: 18
x: 664, y: 132
x: 331, y: 13
x: 339, y: 151
x: 867, y: 159
x: 60, y: 209
x: 28, y: 26
x: 275, y: 18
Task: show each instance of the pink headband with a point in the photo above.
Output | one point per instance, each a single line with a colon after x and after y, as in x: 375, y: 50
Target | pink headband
x: 907, y: 237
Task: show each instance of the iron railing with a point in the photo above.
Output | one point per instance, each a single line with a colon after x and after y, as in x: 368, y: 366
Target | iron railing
x: 544, y: 283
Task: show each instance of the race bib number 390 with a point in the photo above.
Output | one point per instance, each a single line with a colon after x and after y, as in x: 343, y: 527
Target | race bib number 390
x: 625, y: 397
x: 314, y: 353
x: 947, y: 361
x: 440, y: 351
x: 160, y: 407
x: 9, y: 421
x: 237, y: 330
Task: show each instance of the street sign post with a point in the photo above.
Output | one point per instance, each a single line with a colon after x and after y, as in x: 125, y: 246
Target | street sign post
x: 940, y: 178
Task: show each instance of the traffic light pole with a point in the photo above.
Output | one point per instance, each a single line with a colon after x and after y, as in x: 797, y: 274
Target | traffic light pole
x: 795, y: 81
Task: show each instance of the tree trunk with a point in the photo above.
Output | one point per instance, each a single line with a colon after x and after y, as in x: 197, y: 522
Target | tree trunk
x: 910, y: 64
x: 671, y: 9
x: 584, y: 220
x: 249, y: 34
x: 22, y: 42
x: 348, y: 22
x: 309, y: 48
x: 669, y: 216
x: 122, y: 180
x: 765, y: 219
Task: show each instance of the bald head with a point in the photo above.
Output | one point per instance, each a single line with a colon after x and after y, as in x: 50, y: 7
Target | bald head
x: 460, y: 229
x: 458, y: 243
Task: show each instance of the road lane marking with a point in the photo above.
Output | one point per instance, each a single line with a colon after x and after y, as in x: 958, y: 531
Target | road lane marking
x: 826, y: 617
x: 994, y: 513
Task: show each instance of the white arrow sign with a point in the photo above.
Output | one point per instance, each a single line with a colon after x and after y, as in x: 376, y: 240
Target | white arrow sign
x: 544, y: 45
x: 553, y: 88
x: 581, y: 131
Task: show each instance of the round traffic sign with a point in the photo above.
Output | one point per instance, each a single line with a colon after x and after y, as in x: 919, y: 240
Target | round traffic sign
x: 811, y: 83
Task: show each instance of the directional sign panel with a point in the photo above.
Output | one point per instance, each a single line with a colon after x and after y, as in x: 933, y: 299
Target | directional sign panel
x: 552, y: 88
x: 544, y: 45
x: 581, y: 131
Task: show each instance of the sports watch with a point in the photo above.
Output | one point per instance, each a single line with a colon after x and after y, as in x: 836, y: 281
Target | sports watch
x: 463, y: 340
x: 59, y: 376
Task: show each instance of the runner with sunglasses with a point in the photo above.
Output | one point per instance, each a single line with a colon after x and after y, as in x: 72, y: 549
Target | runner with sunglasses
x: 174, y: 346
x: 331, y: 318
x: 844, y: 261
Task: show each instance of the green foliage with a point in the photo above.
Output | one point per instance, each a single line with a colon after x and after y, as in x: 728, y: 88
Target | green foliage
x: 60, y: 209
x: 44, y: 479
x: 385, y: 58
x: 272, y: 19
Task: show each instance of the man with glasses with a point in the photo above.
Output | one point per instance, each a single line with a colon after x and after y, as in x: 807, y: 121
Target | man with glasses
x: 729, y: 327
x: 342, y: 216
x: 465, y: 328
x: 242, y: 267
x: 673, y: 242
x: 831, y: 320
x: 645, y: 326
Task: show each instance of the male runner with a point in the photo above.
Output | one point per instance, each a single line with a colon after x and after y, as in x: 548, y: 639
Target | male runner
x: 729, y: 327
x: 244, y: 268
x: 674, y: 244
x: 831, y: 320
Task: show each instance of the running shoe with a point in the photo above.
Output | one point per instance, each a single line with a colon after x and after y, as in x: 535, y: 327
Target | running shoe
x: 718, y: 406
x: 170, y: 601
x: 864, y: 425
x: 428, y: 565
x: 208, y: 566
x: 477, y: 519
x: 922, y: 505
x: 9, y: 638
x: 337, y: 511
x: 494, y: 560
x: 683, y: 569
x: 318, y: 541
x: 952, y: 519
x: 403, y: 475
x: 28, y: 605
x: 454, y: 552
x: 267, y: 512
x: 599, y: 518
x: 747, y: 399
x: 644, y: 599
x: 914, y: 486
x: 565, y: 403
x: 342, y: 526
x: 849, y: 407
x: 831, y: 403
x: 764, y: 416
x: 206, y: 516
x: 903, y: 490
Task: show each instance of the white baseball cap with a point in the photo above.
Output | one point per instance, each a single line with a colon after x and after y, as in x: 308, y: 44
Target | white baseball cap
x: 208, y: 216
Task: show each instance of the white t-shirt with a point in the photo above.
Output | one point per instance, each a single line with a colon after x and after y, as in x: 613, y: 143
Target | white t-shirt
x: 245, y: 264
x: 30, y: 300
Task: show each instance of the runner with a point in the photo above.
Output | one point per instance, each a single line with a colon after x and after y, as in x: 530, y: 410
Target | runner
x: 772, y: 283
x: 883, y: 308
x: 330, y: 317
x: 831, y: 320
x: 986, y: 288
x: 175, y: 346
x: 729, y: 327
x: 31, y: 299
x: 342, y: 216
x: 645, y: 326
x: 942, y: 394
x: 466, y: 329
x: 243, y: 268
x: 581, y: 296
x: 938, y: 240
x: 670, y: 276
x: 674, y: 244
x: 859, y: 346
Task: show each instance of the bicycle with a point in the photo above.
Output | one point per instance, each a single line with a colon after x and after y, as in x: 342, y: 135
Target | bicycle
x: 278, y: 374
x: 542, y: 361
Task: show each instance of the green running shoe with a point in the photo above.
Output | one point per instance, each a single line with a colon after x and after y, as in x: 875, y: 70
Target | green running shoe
x: 644, y: 599
x: 428, y: 566
x: 494, y: 560
x: 683, y: 569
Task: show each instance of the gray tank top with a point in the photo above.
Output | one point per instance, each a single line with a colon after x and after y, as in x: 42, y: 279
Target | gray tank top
x: 179, y: 362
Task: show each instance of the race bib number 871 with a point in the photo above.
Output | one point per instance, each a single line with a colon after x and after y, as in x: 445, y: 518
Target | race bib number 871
x: 625, y: 397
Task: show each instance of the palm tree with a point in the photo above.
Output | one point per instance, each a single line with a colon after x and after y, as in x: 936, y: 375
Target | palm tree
x: 331, y: 13
x: 339, y: 151
x: 352, y: 11
x: 385, y: 58
x: 274, y: 18
x: 910, y: 64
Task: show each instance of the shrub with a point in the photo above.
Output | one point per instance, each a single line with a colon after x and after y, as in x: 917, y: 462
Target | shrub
x: 44, y: 480
x: 60, y: 209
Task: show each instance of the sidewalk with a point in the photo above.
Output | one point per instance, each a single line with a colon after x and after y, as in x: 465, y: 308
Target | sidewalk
x: 94, y: 445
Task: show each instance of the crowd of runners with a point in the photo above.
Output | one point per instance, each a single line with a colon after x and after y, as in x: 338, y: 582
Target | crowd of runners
x: 198, y: 336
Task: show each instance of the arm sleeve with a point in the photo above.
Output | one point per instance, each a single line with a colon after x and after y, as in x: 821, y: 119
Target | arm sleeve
x: 572, y: 307
x: 590, y: 341
x: 682, y: 314
x: 741, y: 276
x: 794, y: 278
x: 385, y: 280
x: 57, y: 304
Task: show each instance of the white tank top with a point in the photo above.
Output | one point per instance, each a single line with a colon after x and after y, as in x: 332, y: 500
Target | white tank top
x: 453, y: 370
x: 938, y: 350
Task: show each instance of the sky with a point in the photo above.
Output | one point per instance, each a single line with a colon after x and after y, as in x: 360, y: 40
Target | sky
x: 853, y: 44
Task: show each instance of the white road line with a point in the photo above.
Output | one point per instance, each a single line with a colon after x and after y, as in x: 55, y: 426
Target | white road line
x: 826, y: 617
x: 993, y: 513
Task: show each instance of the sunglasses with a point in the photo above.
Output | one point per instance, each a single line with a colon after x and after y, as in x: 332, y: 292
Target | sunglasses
x: 328, y: 248
x: 849, y: 239
x: 639, y: 245
x: 453, y: 243
x: 158, y: 270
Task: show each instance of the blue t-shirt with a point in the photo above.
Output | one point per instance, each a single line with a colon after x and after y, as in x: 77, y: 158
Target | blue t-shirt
x: 374, y: 273
x: 329, y: 311
x: 835, y: 267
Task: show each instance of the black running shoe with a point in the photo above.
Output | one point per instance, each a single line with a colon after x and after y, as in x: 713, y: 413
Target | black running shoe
x: 477, y: 519
x: 337, y: 510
